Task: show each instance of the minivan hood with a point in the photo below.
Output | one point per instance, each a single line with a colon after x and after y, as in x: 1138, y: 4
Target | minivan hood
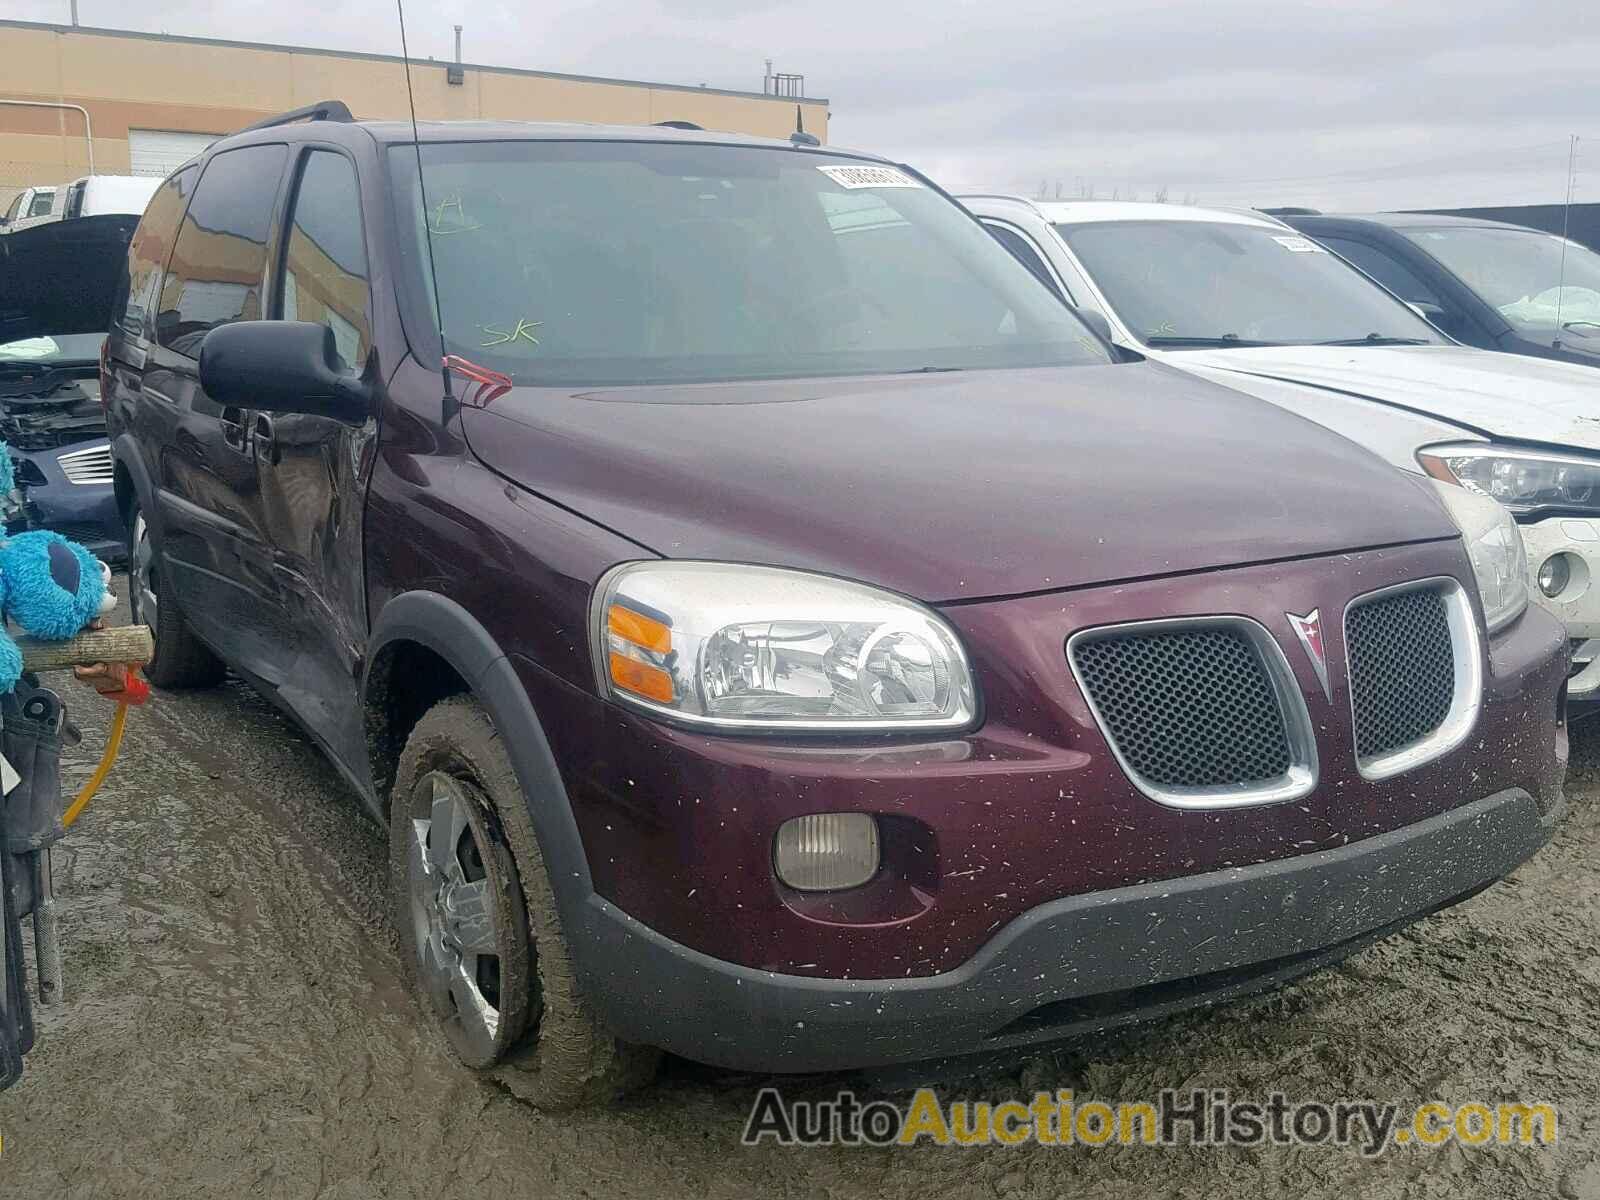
x: 61, y: 277
x: 1499, y: 395
x: 957, y: 486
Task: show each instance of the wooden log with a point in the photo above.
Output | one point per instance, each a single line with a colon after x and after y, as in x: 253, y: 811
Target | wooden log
x: 118, y: 644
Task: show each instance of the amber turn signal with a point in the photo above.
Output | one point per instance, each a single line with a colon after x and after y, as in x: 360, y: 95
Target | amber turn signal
x: 641, y: 678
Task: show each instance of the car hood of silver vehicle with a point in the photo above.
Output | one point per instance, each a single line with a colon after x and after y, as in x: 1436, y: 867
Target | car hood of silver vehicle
x: 1495, y: 395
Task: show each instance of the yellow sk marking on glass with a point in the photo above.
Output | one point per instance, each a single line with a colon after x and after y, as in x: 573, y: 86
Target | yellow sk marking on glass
x: 462, y: 224
x: 524, y: 331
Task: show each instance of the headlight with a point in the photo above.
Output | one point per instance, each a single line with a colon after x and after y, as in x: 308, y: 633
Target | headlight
x: 743, y: 647
x: 1525, y: 481
x: 1494, y: 544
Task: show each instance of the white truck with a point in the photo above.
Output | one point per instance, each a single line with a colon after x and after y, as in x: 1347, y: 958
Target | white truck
x: 86, y: 196
x: 30, y: 206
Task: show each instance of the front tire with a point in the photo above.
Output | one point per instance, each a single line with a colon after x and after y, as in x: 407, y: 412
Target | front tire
x: 181, y: 659
x: 480, y: 939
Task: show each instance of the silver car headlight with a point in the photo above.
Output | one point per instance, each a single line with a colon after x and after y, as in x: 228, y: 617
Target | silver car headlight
x: 762, y: 648
x: 1494, y: 544
x: 1525, y: 481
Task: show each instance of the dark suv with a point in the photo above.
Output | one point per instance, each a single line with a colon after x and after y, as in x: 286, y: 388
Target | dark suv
x: 771, y: 625
x: 1485, y: 283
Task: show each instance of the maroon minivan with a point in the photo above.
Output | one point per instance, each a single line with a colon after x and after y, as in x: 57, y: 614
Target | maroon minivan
x: 773, y: 628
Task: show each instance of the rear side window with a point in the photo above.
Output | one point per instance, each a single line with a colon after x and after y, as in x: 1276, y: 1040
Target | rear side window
x: 41, y: 204
x: 219, y: 264
x: 149, y: 251
x: 325, y: 264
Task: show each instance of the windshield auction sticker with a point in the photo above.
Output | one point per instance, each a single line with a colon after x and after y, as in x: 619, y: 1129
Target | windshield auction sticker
x: 1196, y: 1117
x: 869, y: 177
x: 1299, y: 245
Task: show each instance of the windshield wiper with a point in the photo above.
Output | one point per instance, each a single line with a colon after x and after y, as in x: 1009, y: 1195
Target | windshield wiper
x: 1225, y: 339
x: 1377, y: 339
x: 929, y: 370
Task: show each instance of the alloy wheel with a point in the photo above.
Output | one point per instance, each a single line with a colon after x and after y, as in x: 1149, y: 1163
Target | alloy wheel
x: 457, y: 918
x: 144, y: 604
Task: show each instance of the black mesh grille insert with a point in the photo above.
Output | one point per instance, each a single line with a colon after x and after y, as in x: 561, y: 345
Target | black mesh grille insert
x: 1186, y: 708
x: 1402, y: 669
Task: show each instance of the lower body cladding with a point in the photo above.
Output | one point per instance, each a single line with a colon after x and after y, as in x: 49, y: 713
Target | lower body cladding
x: 1564, y: 559
x: 68, y: 489
x: 1079, y: 964
x: 1027, y: 888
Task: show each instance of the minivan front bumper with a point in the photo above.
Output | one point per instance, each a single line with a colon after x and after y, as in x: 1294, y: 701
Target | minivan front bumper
x: 1028, y: 889
x: 1080, y: 963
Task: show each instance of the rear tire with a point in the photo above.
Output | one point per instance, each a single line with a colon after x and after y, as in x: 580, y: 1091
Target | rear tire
x: 181, y: 659
x: 482, y: 893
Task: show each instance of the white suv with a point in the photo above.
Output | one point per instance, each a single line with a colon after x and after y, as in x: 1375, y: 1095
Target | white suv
x: 1243, y: 299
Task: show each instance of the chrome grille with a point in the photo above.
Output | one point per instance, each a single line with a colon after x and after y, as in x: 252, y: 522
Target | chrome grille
x: 89, y: 466
x: 1195, y: 710
x: 1404, y: 668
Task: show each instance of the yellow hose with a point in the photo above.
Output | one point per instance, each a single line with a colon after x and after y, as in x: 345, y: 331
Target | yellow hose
x: 113, y: 744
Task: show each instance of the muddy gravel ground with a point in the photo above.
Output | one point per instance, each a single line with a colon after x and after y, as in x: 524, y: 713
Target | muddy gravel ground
x: 235, y: 1026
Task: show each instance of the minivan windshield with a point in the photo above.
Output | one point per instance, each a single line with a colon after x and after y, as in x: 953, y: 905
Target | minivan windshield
x: 616, y: 263
x: 1520, y: 272
x: 1194, y: 284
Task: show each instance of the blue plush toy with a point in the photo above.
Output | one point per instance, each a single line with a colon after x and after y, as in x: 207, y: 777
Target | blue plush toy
x: 49, y: 586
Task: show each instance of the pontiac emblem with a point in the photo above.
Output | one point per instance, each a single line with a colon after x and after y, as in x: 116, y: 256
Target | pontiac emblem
x: 1309, y: 630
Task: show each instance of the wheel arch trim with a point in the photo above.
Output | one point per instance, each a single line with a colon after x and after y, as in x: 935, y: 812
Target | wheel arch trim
x: 443, y: 626
x: 125, y: 453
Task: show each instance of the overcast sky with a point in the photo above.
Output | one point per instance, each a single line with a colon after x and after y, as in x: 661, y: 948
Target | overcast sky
x: 1349, y: 104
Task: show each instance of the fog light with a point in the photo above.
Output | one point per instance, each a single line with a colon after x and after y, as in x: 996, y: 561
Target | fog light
x: 826, y: 852
x: 1555, y: 575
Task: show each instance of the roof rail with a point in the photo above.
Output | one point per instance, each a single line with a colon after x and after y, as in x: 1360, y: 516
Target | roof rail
x: 998, y: 196
x: 322, y: 110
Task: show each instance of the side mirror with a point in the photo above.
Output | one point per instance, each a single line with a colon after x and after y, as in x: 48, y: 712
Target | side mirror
x: 281, y: 366
x: 1096, y: 321
x: 1425, y: 309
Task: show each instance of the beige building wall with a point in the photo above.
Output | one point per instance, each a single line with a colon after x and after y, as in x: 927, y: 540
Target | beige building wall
x: 140, y: 81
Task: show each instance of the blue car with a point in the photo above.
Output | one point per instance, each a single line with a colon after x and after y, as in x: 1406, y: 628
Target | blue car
x: 67, y: 488
x: 56, y: 285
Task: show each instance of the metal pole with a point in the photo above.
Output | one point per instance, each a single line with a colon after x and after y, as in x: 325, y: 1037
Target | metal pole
x: 74, y: 5
x: 88, y: 133
x: 46, y: 938
x: 458, y: 44
x: 1566, y: 228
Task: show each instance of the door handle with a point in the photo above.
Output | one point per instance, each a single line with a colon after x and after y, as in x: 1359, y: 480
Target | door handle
x: 264, y: 437
x: 232, y: 421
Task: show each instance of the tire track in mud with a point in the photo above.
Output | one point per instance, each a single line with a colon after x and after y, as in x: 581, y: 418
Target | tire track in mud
x: 234, y: 1025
